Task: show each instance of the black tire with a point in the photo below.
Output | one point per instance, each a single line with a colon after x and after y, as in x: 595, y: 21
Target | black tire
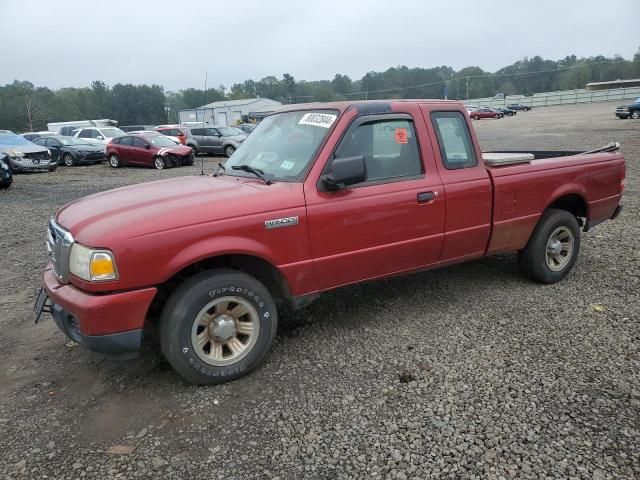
x: 229, y: 150
x: 114, y: 161
x: 182, y: 311
x: 476, y: 117
x: 195, y: 150
x: 635, y: 115
x: 533, y: 258
x: 496, y: 116
x: 159, y: 163
x: 189, y: 161
x: 68, y: 160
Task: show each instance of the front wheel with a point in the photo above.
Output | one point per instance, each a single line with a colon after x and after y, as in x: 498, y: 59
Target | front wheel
x: 68, y: 160
x: 229, y: 150
x: 553, y: 247
x: 476, y: 117
x: 159, y: 163
x: 218, y: 326
x: 635, y: 114
x: 496, y: 116
x: 114, y: 161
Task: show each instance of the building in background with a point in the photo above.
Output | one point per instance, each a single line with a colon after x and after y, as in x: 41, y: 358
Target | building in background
x: 230, y: 112
x: 634, y: 82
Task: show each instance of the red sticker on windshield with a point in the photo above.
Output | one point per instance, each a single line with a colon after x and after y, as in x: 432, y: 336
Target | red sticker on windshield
x: 401, y: 135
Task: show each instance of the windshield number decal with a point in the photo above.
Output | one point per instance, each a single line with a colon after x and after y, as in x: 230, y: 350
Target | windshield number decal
x: 324, y: 120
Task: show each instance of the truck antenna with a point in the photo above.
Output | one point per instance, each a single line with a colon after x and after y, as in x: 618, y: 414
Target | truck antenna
x: 206, y: 73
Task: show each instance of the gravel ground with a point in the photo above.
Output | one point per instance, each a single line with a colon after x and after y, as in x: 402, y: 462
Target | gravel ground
x: 465, y: 372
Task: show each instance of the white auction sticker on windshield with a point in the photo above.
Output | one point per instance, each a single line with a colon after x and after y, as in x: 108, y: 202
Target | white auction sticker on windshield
x: 287, y: 165
x: 324, y: 120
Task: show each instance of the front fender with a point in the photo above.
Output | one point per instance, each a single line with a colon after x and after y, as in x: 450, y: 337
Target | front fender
x: 215, y: 247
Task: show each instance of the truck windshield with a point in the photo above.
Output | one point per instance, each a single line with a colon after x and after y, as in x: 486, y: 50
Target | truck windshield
x: 283, y: 145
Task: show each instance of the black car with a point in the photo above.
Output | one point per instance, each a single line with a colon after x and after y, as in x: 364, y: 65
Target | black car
x: 505, y: 111
x: 6, y: 178
x: 71, y: 151
x: 518, y: 106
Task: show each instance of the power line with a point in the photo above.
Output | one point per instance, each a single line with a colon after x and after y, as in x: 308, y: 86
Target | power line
x: 467, y: 77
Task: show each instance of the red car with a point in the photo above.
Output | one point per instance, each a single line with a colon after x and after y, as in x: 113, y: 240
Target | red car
x: 485, y: 113
x: 148, y: 150
x: 319, y: 196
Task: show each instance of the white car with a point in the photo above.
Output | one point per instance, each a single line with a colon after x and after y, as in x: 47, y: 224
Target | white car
x: 98, y: 135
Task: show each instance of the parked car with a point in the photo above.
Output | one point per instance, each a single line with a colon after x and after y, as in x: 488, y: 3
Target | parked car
x: 25, y: 156
x: 223, y: 140
x: 71, y: 151
x: 68, y: 131
x: 149, y: 151
x: 136, y: 128
x: 247, y: 127
x: 6, y: 178
x: 98, y: 135
x: 519, y: 106
x: 175, y: 140
x: 505, y: 111
x: 5, y: 132
x: 485, y: 113
x: 31, y: 136
x: 629, y: 111
x: 175, y: 131
x: 317, y: 197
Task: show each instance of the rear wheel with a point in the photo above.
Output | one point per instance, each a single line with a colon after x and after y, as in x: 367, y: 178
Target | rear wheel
x: 476, y: 117
x: 68, y: 160
x: 635, y: 114
x: 229, y: 150
x: 159, y: 163
x: 553, y: 247
x: 114, y: 161
x: 218, y: 326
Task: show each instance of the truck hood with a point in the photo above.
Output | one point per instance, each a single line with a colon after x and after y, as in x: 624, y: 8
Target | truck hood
x: 136, y: 211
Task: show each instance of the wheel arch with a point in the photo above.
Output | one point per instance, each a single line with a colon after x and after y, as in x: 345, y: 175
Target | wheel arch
x: 263, y: 270
x: 573, y: 203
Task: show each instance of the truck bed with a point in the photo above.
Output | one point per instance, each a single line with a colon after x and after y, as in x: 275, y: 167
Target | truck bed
x: 522, y: 191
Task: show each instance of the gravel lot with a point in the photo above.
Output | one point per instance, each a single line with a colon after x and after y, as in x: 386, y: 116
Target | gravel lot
x: 465, y: 372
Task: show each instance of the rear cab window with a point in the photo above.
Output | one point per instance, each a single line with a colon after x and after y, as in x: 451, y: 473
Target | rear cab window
x: 454, y: 140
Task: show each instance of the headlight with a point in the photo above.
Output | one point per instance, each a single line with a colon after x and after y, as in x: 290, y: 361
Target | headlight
x: 48, y: 152
x: 15, y: 153
x: 4, y: 166
x: 92, y: 265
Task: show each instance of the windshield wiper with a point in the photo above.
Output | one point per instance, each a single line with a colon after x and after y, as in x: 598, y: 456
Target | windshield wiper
x: 256, y: 171
x: 219, y: 170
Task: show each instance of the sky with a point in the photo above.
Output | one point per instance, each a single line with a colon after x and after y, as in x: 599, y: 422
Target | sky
x: 173, y: 43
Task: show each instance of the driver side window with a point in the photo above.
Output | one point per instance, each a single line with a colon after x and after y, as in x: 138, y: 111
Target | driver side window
x: 389, y: 148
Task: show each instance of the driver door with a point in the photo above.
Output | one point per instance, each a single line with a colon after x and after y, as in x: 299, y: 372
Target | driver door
x: 390, y: 223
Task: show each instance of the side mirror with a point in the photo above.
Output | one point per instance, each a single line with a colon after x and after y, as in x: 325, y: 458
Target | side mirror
x: 345, y: 171
x: 100, y: 137
x: 147, y: 146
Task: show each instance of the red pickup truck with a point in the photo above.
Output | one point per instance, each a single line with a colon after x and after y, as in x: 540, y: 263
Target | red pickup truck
x: 318, y: 196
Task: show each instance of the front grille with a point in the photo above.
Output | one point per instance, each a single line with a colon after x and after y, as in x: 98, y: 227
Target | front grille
x: 59, y: 242
x: 93, y: 156
x: 37, y: 155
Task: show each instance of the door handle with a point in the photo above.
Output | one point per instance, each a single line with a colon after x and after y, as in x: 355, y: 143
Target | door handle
x: 425, y: 197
